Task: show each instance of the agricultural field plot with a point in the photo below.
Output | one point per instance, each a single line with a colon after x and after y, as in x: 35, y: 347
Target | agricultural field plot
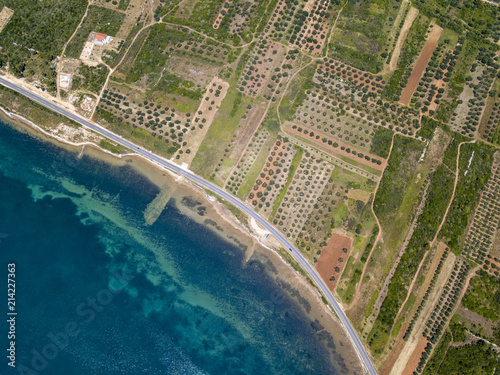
x: 113, y: 4
x: 484, y: 225
x: 222, y: 12
x: 411, y: 214
x: 337, y: 208
x: 5, y: 16
x: 410, y: 51
x: 148, y: 69
x: 411, y: 345
x: 309, y: 180
x: 136, y: 12
x: 286, y: 15
x: 333, y: 70
x: 447, y: 301
x: 393, y: 116
x: 421, y: 64
x: 443, y: 311
x: 346, y: 163
x: 333, y: 259
x: 272, y: 178
x: 262, y: 67
x: 362, y: 34
x: 240, y: 171
x: 472, y: 101
x: 335, y: 147
x: 397, y: 35
x: 317, y: 115
x: 164, y: 123
x: 432, y: 87
x: 313, y: 31
x: 214, y: 95
x: 247, y: 117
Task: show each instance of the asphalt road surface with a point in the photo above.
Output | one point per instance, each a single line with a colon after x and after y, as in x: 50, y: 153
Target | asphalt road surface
x: 220, y: 192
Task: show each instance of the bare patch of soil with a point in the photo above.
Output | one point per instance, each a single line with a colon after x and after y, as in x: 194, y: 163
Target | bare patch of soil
x: 412, y: 364
x: 5, y: 15
x: 333, y: 259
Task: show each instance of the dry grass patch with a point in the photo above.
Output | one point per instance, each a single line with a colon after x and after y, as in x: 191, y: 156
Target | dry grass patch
x: 5, y: 16
x: 215, y: 93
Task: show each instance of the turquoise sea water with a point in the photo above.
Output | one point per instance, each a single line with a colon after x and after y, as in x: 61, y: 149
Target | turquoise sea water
x: 99, y: 292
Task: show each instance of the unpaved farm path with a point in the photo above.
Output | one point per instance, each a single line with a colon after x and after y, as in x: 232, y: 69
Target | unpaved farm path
x: 457, y: 174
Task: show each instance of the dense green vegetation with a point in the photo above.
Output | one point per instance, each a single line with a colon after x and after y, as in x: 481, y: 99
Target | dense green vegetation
x: 483, y: 296
x: 204, y: 13
x: 475, y: 167
x: 43, y: 26
x: 362, y: 32
x: 397, y: 176
x: 474, y: 359
x: 381, y: 143
x: 101, y: 20
x: 359, y: 59
x: 428, y: 126
x: 437, y: 358
x: 438, y: 197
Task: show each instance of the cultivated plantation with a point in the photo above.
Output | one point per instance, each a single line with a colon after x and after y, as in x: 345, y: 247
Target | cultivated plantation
x: 366, y: 131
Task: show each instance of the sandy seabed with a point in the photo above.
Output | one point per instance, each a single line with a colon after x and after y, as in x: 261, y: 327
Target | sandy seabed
x: 219, y: 219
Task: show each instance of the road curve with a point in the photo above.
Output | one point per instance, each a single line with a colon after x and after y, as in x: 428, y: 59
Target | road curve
x: 222, y: 193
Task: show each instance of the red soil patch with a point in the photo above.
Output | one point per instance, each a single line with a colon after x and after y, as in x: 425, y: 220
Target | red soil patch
x: 329, y: 259
x: 395, y: 352
x: 353, y: 154
x: 412, y: 364
x: 422, y: 62
x: 348, y: 73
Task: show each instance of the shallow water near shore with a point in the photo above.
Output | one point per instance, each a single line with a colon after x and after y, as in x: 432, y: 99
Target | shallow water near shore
x: 99, y: 291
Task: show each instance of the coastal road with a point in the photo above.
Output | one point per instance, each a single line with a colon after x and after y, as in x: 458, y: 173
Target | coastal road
x: 220, y: 192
